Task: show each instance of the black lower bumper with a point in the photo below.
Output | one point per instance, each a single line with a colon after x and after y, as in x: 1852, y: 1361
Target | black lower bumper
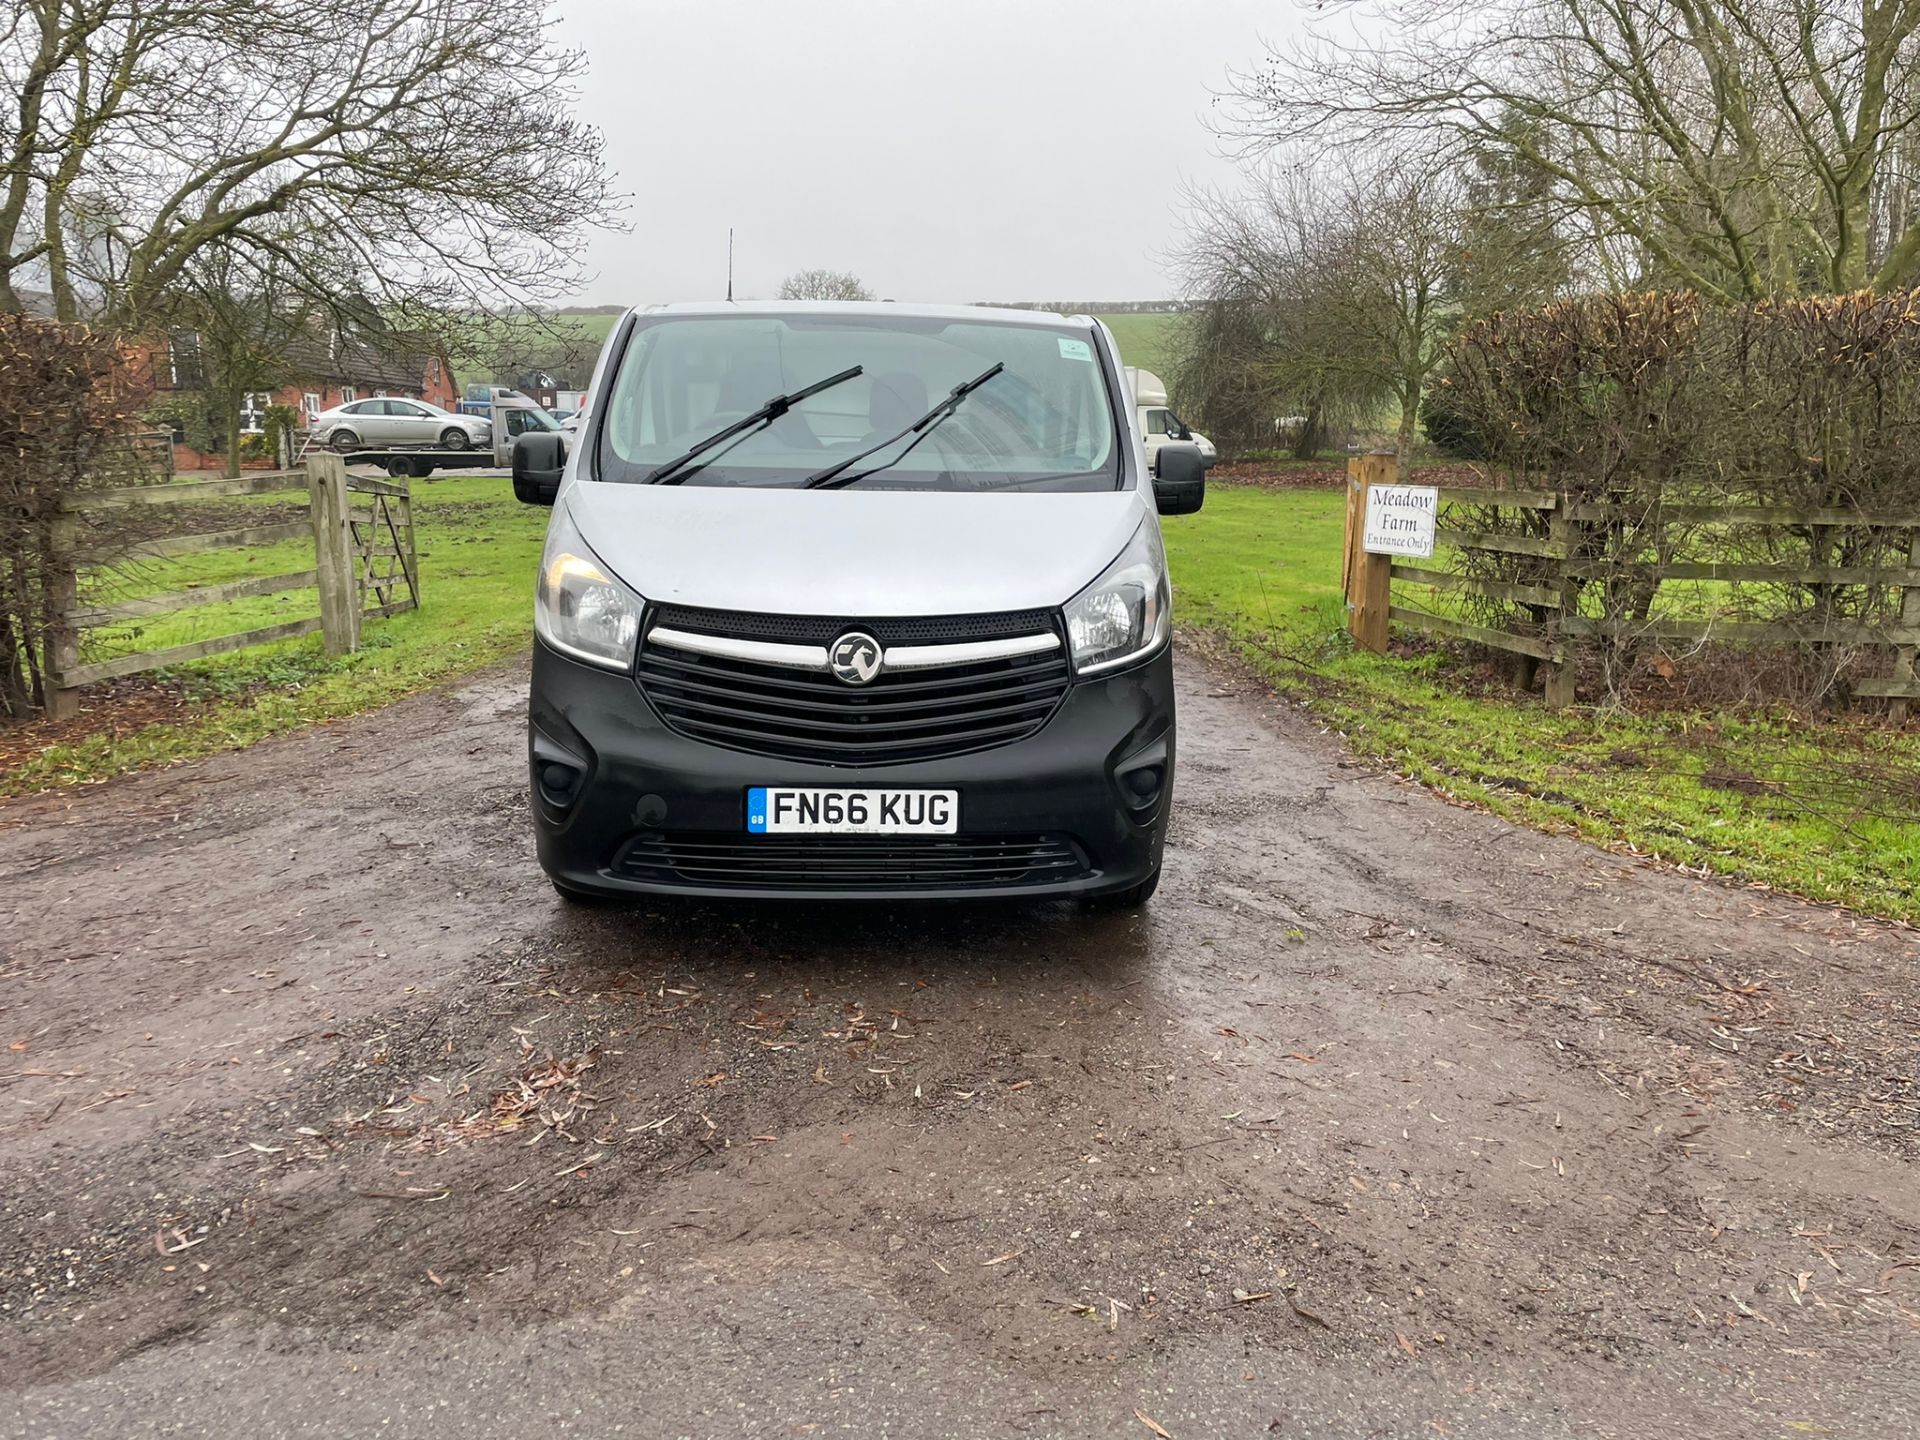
x: 624, y: 804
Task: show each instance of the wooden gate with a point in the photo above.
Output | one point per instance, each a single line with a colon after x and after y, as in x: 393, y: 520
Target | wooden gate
x: 382, y: 531
x: 364, y: 566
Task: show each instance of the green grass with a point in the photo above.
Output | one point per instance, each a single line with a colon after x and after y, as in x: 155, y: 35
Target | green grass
x: 1828, y: 809
x: 479, y: 549
x: 591, y: 327
x: 1145, y: 341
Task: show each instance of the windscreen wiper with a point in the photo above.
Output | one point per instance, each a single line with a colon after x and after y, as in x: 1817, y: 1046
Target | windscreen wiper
x: 675, y: 470
x: 833, y: 477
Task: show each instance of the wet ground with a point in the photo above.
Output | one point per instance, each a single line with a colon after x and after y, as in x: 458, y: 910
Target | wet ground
x: 319, y: 1114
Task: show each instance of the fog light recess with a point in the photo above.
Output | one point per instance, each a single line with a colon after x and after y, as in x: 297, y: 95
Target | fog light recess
x: 1142, y: 778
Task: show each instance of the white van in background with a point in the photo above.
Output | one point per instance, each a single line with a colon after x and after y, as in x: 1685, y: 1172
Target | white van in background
x: 1158, y: 423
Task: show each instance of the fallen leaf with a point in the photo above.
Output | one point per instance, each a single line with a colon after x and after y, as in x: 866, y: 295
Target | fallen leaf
x: 1406, y: 1344
x: 435, y: 1278
x: 1152, y: 1424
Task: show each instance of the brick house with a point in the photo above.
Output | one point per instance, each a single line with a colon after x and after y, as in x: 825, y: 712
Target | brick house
x: 333, y: 370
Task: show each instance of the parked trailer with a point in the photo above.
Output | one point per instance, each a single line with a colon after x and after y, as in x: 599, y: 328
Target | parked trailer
x: 419, y: 464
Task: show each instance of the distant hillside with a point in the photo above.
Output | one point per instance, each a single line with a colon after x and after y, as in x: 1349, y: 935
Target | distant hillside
x: 1146, y: 340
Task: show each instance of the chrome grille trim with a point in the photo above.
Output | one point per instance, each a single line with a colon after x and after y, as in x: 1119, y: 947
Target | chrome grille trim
x: 967, y: 652
x: 814, y: 657
x: 728, y: 647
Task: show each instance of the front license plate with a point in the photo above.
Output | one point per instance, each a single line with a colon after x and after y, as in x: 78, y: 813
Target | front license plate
x: 772, y: 811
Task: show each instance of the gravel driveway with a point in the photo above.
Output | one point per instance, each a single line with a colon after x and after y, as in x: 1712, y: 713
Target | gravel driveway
x: 320, y: 1115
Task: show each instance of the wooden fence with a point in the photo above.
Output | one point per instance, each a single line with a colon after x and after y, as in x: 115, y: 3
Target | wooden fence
x: 1548, y: 552
x: 364, y: 566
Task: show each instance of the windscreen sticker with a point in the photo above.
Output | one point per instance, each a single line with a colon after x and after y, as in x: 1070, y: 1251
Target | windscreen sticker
x: 1075, y: 350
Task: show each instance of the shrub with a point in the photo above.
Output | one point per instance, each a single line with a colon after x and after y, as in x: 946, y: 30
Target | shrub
x: 1448, y: 430
x: 1675, y: 423
x: 67, y: 393
x: 190, y: 417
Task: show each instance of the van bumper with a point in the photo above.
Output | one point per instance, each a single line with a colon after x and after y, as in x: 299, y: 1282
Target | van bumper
x: 647, y: 810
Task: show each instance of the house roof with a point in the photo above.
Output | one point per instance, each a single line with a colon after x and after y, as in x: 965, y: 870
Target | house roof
x: 358, y: 362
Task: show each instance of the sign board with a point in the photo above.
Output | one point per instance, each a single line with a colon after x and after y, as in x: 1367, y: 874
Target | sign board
x: 1400, y: 520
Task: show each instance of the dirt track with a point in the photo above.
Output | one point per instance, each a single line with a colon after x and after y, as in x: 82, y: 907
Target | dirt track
x: 1385, y: 1118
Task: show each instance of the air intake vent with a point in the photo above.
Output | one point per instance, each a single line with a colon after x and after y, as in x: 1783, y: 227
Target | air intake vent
x: 848, y: 862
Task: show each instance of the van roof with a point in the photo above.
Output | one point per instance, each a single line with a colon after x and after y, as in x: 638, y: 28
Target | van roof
x: 864, y: 307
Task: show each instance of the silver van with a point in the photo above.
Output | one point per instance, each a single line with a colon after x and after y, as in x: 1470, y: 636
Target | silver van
x: 855, y: 600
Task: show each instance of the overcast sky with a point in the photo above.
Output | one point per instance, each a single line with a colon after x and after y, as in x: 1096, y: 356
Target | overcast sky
x: 948, y: 150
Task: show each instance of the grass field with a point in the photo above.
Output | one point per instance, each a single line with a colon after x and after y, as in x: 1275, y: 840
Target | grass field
x: 1145, y: 341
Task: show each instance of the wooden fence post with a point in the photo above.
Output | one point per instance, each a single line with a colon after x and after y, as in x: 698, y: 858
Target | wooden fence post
x: 333, y: 554
x: 1906, y: 658
x: 61, y: 656
x: 1368, y: 578
x: 1561, y: 671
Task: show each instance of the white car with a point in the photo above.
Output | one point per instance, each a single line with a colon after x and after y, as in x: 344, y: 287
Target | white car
x: 396, y: 423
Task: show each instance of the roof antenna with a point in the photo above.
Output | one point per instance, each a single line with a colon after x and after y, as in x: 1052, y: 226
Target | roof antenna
x: 729, y: 264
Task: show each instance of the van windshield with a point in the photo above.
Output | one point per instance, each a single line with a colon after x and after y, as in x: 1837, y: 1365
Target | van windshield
x: 1041, y: 423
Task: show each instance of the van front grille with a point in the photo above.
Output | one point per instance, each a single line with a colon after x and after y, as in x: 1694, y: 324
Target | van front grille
x: 850, y: 862
x: 808, y: 715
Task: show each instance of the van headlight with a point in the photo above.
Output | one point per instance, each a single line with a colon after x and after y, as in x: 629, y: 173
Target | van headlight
x: 1126, y: 612
x: 578, y: 608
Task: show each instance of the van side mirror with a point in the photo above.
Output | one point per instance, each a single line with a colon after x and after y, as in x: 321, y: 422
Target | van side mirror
x: 539, y: 459
x: 1179, y: 479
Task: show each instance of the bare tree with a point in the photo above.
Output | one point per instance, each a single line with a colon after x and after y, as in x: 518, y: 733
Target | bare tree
x: 248, y: 315
x: 823, y: 285
x: 1359, y: 280
x: 1744, y: 148
x: 433, y: 140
